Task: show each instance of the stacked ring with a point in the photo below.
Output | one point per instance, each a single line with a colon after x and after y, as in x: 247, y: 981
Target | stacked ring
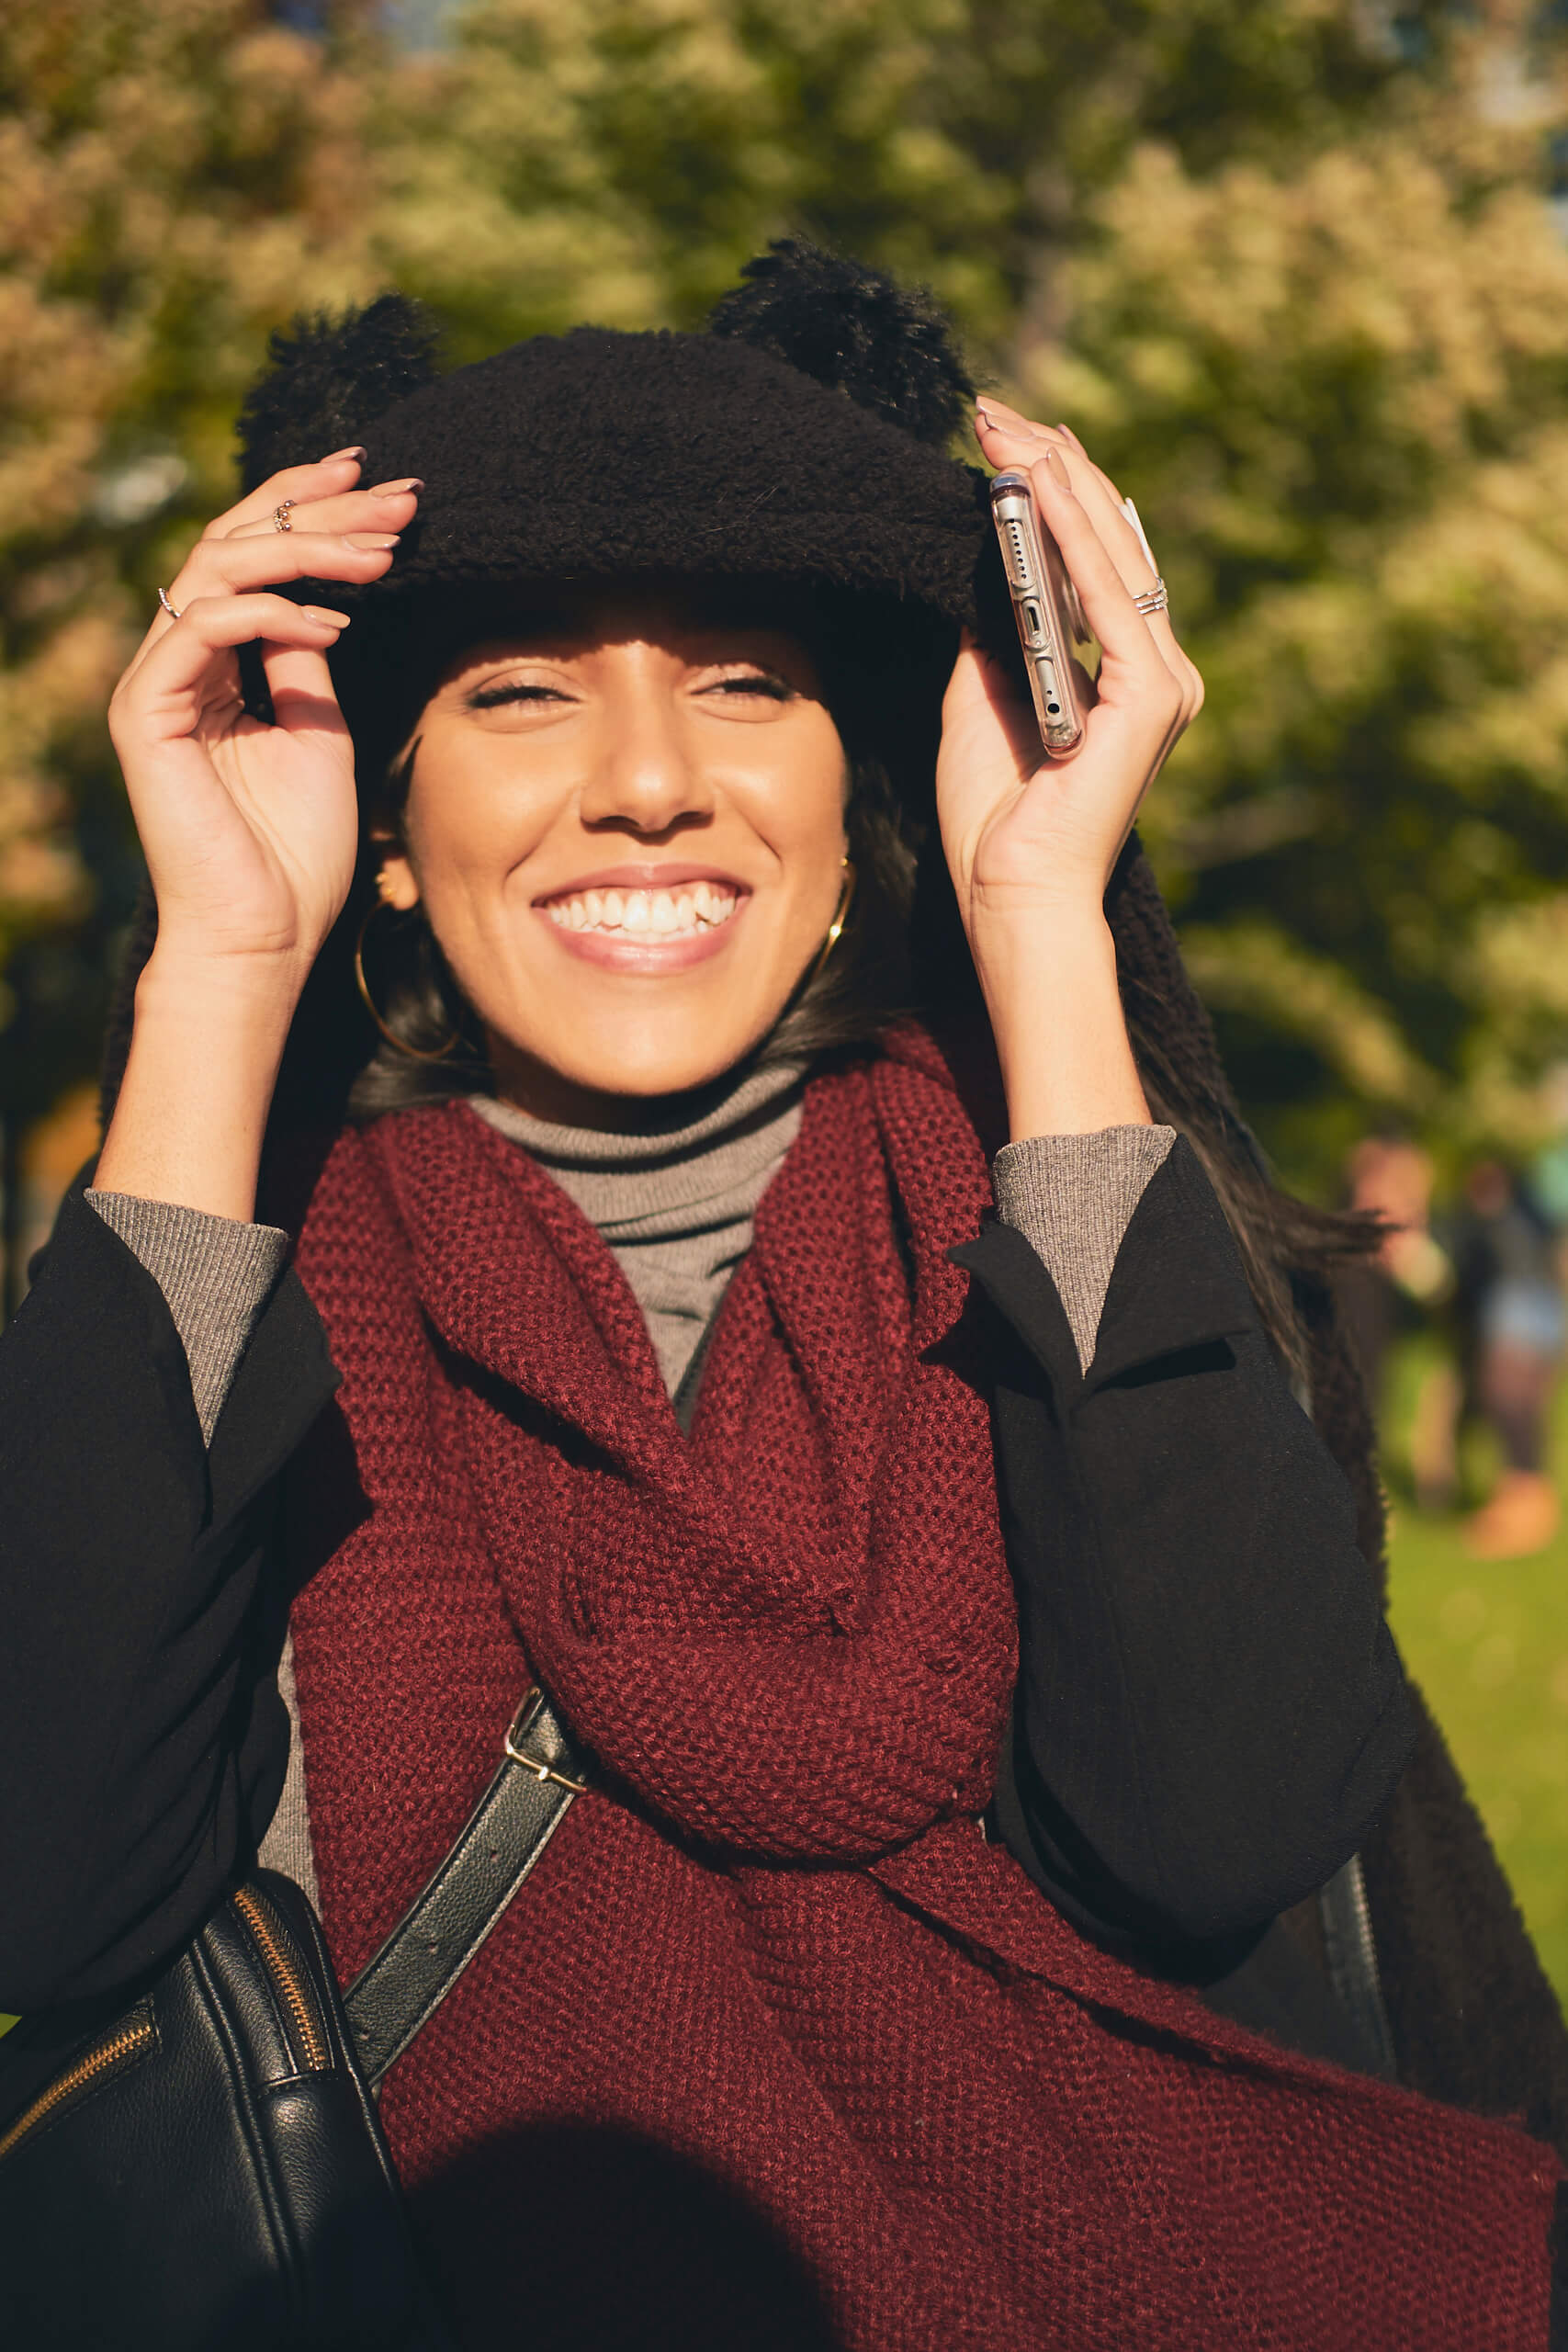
x: 280, y: 515
x: 1153, y: 600
x: 164, y: 600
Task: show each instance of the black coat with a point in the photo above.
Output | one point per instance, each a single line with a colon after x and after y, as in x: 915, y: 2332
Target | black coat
x: 1211, y: 1716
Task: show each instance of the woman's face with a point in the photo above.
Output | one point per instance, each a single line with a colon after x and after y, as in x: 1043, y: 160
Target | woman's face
x: 625, y: 825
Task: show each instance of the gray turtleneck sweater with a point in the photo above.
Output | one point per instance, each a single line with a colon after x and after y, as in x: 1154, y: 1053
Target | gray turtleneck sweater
x: 676, y: 1206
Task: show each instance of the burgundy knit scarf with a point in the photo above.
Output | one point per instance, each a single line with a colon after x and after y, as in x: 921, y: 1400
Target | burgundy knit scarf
x: 773, y: 2050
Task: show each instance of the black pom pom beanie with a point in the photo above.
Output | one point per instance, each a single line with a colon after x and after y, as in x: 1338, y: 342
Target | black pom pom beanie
x: 798, y: 438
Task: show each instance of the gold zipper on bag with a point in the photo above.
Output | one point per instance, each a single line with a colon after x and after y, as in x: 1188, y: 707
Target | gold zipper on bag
x: 130, y: 2040
x: 298, y: 1997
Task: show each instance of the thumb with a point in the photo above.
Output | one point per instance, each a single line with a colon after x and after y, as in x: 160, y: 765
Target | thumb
x: 299, y: 682
x: 985, y: 707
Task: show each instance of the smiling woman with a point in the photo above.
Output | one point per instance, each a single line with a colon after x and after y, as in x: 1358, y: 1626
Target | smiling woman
x: 633, y: 791
x: 658, y: 1150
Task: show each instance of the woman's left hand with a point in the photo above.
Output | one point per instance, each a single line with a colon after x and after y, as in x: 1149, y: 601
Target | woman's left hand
x: 1030, y: 837
x: 1030, y: 840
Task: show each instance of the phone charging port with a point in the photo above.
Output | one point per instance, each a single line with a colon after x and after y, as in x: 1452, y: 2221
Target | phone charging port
x: 1032, y: 622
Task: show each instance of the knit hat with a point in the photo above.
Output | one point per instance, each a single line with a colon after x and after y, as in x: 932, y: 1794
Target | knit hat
x: 799, y: 436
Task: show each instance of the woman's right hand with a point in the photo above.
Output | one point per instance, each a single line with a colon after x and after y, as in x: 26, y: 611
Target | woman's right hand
x: 250, y: 830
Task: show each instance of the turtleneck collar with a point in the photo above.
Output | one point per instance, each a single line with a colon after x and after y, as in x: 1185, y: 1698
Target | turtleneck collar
x: 675, y: 1204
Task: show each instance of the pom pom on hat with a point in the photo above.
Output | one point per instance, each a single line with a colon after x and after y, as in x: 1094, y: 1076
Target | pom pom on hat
x: 329, y: 379
x: 887, y: 347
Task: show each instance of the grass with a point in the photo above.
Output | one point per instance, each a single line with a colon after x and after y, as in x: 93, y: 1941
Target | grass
x: 1488, y: 1642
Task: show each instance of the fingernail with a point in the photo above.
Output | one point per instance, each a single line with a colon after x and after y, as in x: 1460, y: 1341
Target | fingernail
x: 356, y: 452
x: 1056, y: 468
x: 368, y: 539
x: 391, y: 489
x: 328, y: 619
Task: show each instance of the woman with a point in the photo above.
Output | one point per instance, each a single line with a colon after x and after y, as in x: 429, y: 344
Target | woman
x: 657, y: 1260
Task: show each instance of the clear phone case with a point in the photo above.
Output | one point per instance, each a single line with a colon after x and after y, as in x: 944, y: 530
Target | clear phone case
x: 1045, y: 606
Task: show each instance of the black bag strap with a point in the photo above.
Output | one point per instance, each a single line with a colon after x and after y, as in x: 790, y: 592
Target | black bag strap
x: 1351, y: 1955
x: 402, y: 1986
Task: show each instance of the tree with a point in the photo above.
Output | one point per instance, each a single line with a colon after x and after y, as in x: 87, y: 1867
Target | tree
x: 1340, y: 389
x: 177, y: 178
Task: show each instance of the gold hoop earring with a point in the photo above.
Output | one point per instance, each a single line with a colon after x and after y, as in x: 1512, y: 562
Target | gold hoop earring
x: 841, y: 917
x: 381, y: 906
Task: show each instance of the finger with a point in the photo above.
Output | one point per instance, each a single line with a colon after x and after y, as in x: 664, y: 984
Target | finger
x: 387, y: 507
x: 175, y: 663
x: 299, y: 683
x: 324, y: 478
x: 1009, y: 438
x: 232, y: 567
x: 1106, y: 597
x: 1013, y: 440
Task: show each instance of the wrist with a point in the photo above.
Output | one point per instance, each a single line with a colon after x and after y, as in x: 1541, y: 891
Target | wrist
x: 192, y: 1107
x: 1055, y: 1003
x: 234, y: 1001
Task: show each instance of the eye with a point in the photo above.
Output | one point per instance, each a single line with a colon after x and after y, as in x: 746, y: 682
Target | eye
x: 766, y: 682
x: 513, y: 690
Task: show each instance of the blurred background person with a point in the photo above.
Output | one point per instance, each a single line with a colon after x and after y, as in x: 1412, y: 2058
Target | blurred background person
x: 1509, y: 1324
x: 1390, y: 1178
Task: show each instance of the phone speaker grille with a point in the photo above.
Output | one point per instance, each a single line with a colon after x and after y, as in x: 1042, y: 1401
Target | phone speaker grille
x: 1020, y: 560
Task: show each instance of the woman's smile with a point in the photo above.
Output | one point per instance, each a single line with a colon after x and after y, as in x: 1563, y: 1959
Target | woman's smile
x: 650, y: 918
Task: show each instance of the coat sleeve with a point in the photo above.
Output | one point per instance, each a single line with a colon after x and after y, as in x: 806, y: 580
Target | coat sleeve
x: 142, y: 1743
x: 1210, y: 1713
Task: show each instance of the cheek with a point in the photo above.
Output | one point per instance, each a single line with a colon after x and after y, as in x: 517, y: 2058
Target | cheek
x: 470, y: 821
x: 800, y: 812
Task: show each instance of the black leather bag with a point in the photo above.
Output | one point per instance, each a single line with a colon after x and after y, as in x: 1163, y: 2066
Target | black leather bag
x: 208, y: 2173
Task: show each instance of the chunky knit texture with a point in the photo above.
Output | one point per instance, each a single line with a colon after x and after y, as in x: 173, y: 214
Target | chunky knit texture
x: 774, y: 2050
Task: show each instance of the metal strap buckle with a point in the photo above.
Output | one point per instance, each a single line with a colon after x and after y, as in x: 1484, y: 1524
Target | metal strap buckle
x: 517, y: 1731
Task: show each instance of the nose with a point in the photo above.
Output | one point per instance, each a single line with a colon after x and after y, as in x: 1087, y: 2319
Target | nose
x: 648, y: 776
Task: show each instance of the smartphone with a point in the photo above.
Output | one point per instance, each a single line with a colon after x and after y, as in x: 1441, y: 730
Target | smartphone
x: 1047, y: 608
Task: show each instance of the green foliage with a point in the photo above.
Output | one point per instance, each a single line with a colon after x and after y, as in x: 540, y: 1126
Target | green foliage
x: 1339, y: 393
x: 176, y: 178
x: 1284, y: 263
x: 1488, y: 1643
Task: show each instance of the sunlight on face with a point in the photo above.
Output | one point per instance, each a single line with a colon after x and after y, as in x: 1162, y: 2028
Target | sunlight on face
x: 625, y: 824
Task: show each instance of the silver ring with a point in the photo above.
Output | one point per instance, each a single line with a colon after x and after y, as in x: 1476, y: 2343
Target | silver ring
x: 164, y: 600
x: 1153, y: 600
x: 280, y: 515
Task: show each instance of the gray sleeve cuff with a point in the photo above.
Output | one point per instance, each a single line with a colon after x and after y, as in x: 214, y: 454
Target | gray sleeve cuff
x: 216, y: 1274
x: 1072, y: 1197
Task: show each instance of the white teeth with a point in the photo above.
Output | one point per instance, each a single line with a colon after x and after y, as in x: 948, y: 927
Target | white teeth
x: 696, y: 907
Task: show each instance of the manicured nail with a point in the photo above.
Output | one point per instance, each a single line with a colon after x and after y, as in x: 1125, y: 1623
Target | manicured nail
x: 393, y: 489
x: 328, y: 619
x: 356, y: 452
x: 1056, y: 468
x: 368, y: 539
